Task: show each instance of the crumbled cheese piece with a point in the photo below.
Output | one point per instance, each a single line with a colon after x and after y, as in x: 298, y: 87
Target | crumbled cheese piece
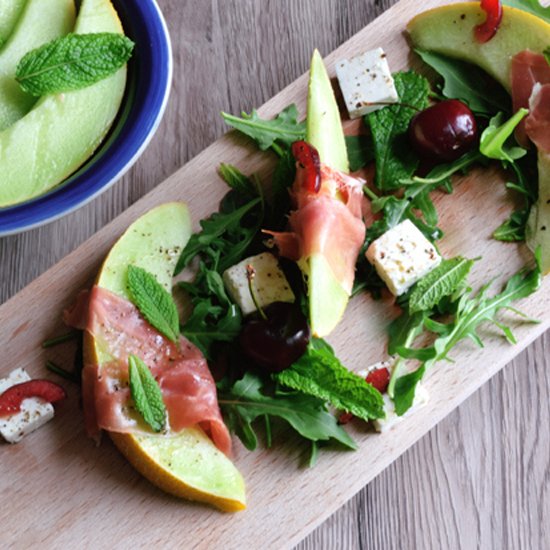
x: 402, y: 256
x: 33, y: 414
x: 421, y: 397
x: 269, y: 283
x: 366, y: 82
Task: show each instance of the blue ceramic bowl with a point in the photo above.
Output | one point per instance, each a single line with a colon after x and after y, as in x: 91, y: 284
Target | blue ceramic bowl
x: 146, y: 96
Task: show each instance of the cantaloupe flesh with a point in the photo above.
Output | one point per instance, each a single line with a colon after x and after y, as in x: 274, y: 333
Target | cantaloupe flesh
x: 39, y: 23
x: 62, y: 131
x: 188, y: 464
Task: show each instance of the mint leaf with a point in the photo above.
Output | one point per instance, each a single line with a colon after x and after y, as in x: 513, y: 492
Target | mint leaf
x: 72, y: 62
x: 249, y: 399
x: 154, y: 302
x: 319, y: 373
x: 146, y: 394
x: 443, y: 281
x: 394, y: 158
x: 360, y: 151
x: 494, y: 142
x: 283, y: 130
x: 468, y: 83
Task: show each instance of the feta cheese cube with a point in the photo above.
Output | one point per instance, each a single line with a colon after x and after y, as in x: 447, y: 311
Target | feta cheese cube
x: 366, y: 82
x: 402, y: 256
x: 269, y: 283
x: 421, y: 397
x: 34, y: 411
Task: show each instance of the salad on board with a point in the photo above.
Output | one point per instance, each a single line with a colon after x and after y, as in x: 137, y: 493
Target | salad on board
x: 238, y: 344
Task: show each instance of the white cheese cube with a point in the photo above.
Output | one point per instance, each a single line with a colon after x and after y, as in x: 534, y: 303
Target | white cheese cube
x: 402, y: 256
x: 366, y: 82
x: 421, y: 397
x: 34, y: 411
x: 269, y: 283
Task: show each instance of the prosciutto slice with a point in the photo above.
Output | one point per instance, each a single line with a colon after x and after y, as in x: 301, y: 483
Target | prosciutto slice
x: 188, y: 389
x: 537, y: 124
x: 528, y: 68
x: 327, y: 221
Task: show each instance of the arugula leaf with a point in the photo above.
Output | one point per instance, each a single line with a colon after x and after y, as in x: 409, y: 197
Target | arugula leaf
x: 238, y: 182
x: 395, y: 210
x: 72, y: 62
x: 405, y: 389
x: 319, y: 373
x: 494, y: 142
x: 224, y: 235
x: 468, y: 83
x: 360, y: 151
x: 146, y: 394
x: 249, y: 399
x: 546, y: 54
x: 444, y: 280
x: 214, y: 317
x: 471, y: 312
x: 395, y: 160
x: 283, y: 130
x: 283, y: 177
x: 153, y: 301
x: 442, y: 173
x: 513, y: 229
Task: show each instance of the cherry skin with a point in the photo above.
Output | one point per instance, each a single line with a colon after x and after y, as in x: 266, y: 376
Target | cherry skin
x: 276, y: 342
x: 444, y: 131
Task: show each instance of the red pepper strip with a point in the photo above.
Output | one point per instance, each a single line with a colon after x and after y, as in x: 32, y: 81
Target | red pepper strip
x: 11, y: 399
x: 484, y: 32
x: 379, y: 379
x: 308, y: 166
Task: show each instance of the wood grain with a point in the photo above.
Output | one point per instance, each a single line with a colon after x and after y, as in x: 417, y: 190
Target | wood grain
x: 480, y: 479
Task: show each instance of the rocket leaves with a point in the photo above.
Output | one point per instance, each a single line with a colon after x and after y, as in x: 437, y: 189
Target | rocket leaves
x: 251, y: 398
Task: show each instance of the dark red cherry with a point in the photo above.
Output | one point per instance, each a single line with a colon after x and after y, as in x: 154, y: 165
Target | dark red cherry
x: 444, y: 131
x: 276, y: 342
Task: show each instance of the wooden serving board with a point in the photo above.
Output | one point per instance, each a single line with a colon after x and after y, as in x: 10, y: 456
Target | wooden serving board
x: 60, y: 490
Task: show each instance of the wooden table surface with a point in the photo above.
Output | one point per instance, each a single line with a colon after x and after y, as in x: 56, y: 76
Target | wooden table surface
x: 481, y: 478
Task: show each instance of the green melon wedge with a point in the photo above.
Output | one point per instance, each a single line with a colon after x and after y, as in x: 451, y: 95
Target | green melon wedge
x: 448, y: 30
x: 40, y: 22
x: 10, y: 11
x: 187, y: 465
x: 326, y: 296
x: 62, y: 131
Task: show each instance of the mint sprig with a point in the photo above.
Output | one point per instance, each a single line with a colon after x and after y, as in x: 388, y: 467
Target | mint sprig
x: 443, y: 281
x: 154, y: 302
x: 319, y: 373
x: 72, y: 62
x: 146, y: 394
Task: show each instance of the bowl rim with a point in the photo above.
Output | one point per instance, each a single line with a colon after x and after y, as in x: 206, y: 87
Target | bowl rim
x: 48, y: 207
